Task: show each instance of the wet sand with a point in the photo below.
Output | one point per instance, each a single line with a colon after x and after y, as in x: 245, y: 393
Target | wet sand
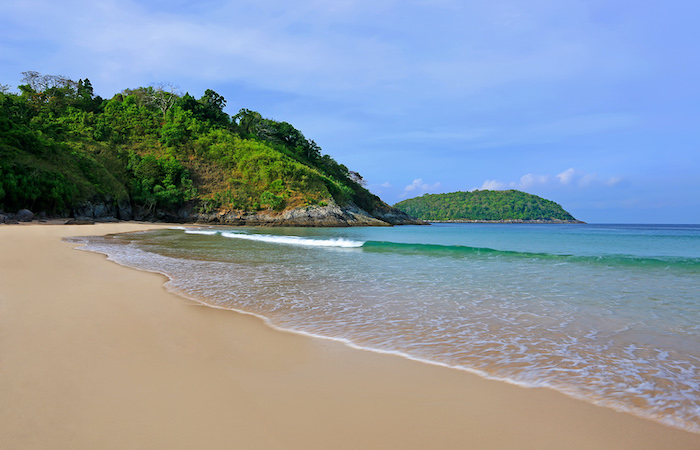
x: 96, y: 355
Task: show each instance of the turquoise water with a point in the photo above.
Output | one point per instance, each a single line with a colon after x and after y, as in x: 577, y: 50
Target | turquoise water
x: 606, y: 313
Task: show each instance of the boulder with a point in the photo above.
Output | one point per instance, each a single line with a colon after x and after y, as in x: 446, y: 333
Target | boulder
x: 25, y: 215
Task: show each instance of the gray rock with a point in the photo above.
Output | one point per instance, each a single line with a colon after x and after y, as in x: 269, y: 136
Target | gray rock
x: 331, y: 215
x: 25, y: 215
x: 395, y: 216
x: 100, y: 208
x: 86, y: 210
x: 80, y: 222
x: 124, y: 211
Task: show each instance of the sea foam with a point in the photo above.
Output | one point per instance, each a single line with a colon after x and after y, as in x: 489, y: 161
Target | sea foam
x: 294, y: 240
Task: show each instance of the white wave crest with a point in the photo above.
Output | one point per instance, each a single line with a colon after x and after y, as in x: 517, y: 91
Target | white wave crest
x: 295, y: 240
x: 207, y: 232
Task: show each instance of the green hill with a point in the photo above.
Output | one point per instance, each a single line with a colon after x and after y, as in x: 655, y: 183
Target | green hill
x: 509, y: 206
x: 154, y: 153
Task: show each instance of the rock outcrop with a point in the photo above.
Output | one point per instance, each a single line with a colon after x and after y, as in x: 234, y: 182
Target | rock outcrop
x: 394, y: 216
x: 331, y: 215
x: 106, y: 209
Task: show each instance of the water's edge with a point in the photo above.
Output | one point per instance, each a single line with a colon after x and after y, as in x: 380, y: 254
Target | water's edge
x: 83, y: 243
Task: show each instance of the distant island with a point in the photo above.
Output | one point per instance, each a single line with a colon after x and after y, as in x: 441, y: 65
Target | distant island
x: 486, y: 206
x: 155, y: 153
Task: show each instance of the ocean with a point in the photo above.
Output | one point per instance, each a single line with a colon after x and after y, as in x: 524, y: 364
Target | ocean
x: 605, y: 313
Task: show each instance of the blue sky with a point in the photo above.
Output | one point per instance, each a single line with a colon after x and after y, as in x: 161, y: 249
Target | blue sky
x: 592, y: 104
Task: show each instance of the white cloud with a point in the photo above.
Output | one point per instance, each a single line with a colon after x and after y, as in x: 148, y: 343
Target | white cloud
x: 419, y: 187
x: 569, y: 177
x: 566, y: 176
x: 531, y: 179
x: 492, y: 185
x: 445, y: 48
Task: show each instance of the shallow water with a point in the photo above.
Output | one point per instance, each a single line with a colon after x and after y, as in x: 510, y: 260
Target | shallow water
x: 606, y: 313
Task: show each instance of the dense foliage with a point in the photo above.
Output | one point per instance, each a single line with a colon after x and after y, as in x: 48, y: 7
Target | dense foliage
x: 483, y: 205
x: 155, y: 149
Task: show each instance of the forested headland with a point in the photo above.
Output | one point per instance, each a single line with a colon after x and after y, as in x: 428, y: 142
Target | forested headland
x: 159, y: 154
x: 485, y: 206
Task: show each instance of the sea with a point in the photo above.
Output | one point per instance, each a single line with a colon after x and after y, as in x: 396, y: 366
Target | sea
x: 606, y: 313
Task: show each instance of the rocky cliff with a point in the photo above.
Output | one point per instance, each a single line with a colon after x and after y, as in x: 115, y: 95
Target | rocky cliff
x: 331, y: 215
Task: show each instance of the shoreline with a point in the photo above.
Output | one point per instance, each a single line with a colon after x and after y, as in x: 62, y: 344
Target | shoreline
x: 398, y: 354
x: 571, y: 393
x: 141, y: 368
x: 512, y: 221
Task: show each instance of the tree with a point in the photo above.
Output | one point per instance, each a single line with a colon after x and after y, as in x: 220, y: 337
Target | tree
x: 41, y: 83
x: 313, y: 151
x: 189, y: 103
x: 246, y: 121
x: 85, y: 96
x: 85, y: 90
x: 163, y: 96
x: 213, y: 107
x: 52, y: 91
x: 212, y: 100
x: 357, y: 178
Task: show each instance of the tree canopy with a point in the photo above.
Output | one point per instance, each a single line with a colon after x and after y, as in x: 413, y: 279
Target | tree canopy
x: 156, y: 148
x: 484, y: 205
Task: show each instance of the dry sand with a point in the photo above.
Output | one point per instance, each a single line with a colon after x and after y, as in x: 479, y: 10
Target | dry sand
x: 96, y: 355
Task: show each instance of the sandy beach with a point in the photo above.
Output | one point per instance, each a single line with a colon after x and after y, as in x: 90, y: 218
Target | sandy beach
x: 97, y: 355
